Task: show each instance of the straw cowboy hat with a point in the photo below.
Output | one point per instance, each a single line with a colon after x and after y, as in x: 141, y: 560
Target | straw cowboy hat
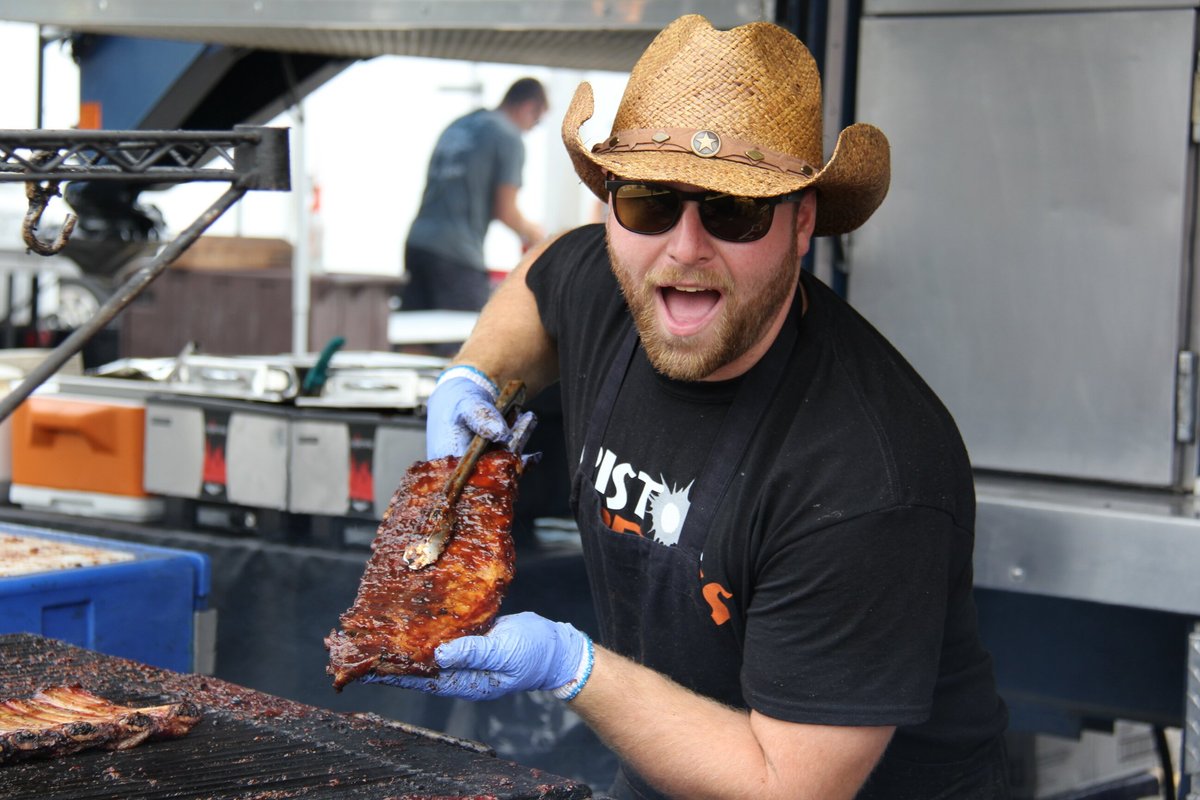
x: 735, y: 111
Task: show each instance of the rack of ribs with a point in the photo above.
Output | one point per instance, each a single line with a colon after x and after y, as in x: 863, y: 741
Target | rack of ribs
x: 61, y: 720
x: 401, y: 615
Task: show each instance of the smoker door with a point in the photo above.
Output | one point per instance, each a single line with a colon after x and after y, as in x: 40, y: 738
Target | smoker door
x: 1029, y: 258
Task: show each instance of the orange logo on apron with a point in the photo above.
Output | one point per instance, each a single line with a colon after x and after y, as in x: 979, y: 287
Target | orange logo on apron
x: 714, y: 594
x: 619, y: 524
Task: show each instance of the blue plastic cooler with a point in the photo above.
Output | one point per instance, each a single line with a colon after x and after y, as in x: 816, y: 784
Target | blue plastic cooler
x: 145, y: 608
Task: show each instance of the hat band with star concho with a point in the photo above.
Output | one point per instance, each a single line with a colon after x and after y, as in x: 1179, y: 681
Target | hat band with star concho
x: 704, y: 143
x: 735, y: 111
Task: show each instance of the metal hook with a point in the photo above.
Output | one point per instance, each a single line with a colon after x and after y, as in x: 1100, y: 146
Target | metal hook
x: 39, y: 196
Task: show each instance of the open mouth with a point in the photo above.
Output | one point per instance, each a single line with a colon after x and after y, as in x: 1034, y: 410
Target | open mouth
x: 686, y: 310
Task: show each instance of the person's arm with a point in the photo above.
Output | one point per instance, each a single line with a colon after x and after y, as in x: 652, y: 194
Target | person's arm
x: 506, y: 210
x: 689, y: 746
x: 509, y: 341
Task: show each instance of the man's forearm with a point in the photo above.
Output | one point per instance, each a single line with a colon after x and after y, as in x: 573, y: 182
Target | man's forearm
x: 528, y: 231
x: 689, y: 746
x: 509, y: 214
x: 508, y: 340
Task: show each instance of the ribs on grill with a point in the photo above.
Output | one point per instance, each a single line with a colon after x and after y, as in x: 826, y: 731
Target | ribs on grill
x: 66, y: 719
x: 401, y: 615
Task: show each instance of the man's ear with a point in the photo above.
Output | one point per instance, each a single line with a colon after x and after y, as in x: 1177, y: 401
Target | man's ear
x: 806, y: 220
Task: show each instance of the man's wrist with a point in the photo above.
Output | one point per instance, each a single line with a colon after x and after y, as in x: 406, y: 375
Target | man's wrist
x: 473, y: 374
x: 573, y: 687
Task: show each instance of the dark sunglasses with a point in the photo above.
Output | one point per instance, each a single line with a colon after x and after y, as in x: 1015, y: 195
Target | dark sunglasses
x: 651, y: 208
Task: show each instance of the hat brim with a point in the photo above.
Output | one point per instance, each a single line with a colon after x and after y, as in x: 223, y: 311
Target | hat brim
x: 850, y: 186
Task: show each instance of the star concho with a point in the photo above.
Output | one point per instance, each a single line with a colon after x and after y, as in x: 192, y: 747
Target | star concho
x: 706, y: 144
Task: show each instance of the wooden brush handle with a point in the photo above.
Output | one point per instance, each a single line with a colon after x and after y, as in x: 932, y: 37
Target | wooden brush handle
x: 513, y: 393
x: 439, y: 522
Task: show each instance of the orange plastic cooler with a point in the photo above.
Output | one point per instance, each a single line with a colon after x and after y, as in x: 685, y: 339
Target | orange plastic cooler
x: 81, y: 455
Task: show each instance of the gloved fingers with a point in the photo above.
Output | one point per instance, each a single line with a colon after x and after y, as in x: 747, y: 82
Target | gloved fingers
x: 470, y: 684
x: 454, y: 445
x: 522, y: 429
x: 445, y: 446
x: 506, y: 648
x: 522, y: 652
x: 483, y: 419
x: 457, y: 410
x: 475, y: 653
x: 462, y: 684
x: 401, y: 681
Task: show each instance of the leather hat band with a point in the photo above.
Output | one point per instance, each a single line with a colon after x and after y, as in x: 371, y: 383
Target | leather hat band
x: 705, y: 144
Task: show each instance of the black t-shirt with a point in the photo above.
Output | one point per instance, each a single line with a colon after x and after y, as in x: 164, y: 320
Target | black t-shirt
x: 841, y: 553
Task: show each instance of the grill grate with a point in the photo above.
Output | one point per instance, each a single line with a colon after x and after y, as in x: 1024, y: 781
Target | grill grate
x: 248, y: 745
x: 236, y: 759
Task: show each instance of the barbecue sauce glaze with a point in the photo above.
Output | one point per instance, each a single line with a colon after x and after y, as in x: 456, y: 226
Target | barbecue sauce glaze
x: 400, y: 615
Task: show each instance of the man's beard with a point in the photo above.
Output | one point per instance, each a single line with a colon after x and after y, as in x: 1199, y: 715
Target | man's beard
x: 747, y: 315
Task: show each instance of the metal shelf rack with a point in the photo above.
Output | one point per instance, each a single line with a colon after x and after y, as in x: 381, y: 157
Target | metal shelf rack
x: 248, y: 158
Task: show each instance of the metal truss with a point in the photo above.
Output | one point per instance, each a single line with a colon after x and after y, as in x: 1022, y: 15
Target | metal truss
x: 253, y: 158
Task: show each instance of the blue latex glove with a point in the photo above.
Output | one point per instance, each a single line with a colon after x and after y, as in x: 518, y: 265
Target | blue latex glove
x: 462, y: 404
x: 522, y: 652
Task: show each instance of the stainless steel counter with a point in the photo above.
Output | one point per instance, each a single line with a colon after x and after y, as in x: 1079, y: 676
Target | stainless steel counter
x: 1129, y: 547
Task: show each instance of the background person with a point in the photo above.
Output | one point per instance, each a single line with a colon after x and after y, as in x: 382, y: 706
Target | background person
x: 474, y: 177
x: 777, y: 513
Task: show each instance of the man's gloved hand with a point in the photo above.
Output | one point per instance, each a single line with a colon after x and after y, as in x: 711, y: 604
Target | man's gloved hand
x: 462, y: 404
x: 522, y: 652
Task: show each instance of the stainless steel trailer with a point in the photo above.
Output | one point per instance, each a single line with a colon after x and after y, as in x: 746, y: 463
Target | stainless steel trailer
x: 1035, y: 261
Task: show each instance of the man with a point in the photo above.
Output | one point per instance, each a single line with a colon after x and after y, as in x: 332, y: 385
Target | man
x: 776, y: 512
x: 474, y: 176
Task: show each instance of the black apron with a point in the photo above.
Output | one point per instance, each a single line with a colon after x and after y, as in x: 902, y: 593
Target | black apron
x: 634, y: 578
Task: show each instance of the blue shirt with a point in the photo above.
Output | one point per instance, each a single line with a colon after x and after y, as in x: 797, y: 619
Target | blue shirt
x: 474, y: 156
